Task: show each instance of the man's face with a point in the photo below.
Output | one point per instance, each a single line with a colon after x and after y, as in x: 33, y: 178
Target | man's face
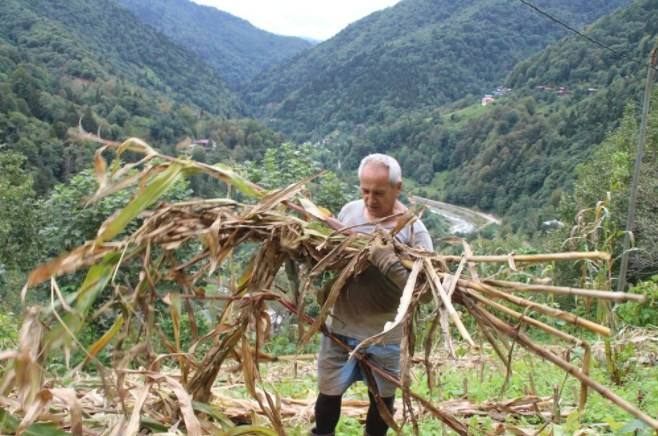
x: 377, y: 192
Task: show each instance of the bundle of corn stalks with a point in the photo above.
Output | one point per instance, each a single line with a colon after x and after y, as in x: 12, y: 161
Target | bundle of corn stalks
x: 293, y: 234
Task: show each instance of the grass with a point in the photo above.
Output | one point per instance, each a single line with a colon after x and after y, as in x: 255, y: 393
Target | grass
x: 460, y: 117
x: 464, y: 378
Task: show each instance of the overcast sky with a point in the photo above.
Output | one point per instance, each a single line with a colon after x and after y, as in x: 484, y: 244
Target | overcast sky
x: 317, y: 19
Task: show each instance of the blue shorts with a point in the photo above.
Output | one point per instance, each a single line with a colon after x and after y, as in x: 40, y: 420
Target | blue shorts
x: 336, y: 372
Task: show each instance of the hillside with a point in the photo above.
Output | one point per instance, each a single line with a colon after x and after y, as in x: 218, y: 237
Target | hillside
x: 418, y: 54
x: 108, y: 40
x: 517, y: 157
x: 62, y: 62
x: 234, y: 48
x: 522, y: 154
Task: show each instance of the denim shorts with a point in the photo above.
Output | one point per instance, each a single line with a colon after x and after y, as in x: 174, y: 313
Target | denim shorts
x: 336, y: 372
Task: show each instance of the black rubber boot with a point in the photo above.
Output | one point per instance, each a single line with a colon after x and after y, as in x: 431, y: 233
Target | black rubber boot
x: 314, y: 433
x: 375, y: 424
x: 327, y: 413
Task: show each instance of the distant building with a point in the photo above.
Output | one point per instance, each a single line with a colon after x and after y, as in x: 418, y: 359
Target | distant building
x: 552, y: 224
x: 592, y: 91
x: 502, y: 91
x: 487, y: 100
x: 563, y: 90
x: 205, y: 143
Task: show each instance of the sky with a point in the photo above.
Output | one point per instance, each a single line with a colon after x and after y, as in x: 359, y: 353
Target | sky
x: 317, y: 19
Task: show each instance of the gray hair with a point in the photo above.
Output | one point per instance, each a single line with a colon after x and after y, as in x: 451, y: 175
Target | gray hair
x: 394, y: 171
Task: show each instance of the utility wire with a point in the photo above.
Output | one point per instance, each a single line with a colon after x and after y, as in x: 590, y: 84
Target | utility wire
x: 592, y: 40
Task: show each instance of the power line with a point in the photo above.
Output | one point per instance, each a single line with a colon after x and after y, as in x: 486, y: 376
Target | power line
x: 592, y: 40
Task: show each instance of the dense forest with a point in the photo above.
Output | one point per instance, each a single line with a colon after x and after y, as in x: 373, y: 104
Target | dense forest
x: 234, y: 48
x: 96, y: 63
x: 418, y: 54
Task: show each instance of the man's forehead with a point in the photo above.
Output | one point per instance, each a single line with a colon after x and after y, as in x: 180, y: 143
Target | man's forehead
x: 375, y: 170
x: 376, y: 166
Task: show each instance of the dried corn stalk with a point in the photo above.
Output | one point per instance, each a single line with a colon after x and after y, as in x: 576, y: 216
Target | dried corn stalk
x: 290, y: 231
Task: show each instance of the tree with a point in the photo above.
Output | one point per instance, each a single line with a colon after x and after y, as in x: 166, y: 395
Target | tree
x: 608, y: 175
x: 287, y: 164
x: 65, y: 221
x: 16, y: 212
x: 18, y: 242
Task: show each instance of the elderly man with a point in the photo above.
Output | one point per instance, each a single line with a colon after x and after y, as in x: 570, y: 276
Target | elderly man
x: 368, y: 301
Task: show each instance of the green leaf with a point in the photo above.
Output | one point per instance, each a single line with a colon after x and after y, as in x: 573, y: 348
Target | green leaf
x: 175, y: 306
x: 215, y: 413
x: 9, y: 424
x: 614, y: 425
x: 96, y: 280
x: 152, y: 424
x: 242, y: 184
x: 107, y: 337
x: 633, y: 426
x: 158, y: 186
x: 251, y: 429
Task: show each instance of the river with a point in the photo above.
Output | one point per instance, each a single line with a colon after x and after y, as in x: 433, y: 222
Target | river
x: 463, y: 220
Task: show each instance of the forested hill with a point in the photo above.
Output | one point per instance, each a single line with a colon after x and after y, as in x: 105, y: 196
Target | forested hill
x: 233, y: 47
x: 415, y: 55
x: 517, y: 157
x: 95, y: 60
x: 97, y: 39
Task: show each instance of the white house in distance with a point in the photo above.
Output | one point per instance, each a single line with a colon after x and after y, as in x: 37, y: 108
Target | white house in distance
x: 487, y: 100
x: 205, y: 143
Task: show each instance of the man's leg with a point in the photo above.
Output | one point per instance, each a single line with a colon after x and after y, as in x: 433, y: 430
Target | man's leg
x: 375, y: 424
x: 335, y: 374
x: 327, y: 413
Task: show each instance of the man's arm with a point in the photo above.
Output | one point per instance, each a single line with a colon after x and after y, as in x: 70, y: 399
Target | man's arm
x: 384, y: 258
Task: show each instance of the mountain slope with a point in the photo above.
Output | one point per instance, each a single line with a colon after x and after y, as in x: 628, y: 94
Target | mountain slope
x: 114, y: 42
x: 415, y: 55
x: 233, y: 47
x: 517, y: 157
x: 96, y: 62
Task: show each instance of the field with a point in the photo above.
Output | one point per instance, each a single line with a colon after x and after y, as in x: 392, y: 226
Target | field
x: 470, y: 386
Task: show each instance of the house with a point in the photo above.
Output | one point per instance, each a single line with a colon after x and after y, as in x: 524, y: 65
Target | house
x: 563, y: 90
x: 487, y: 100
x: 503, y: 90
x: 205, y: 143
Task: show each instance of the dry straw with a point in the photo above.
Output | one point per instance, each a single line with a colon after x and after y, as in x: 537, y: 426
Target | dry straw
x: 177, y: 247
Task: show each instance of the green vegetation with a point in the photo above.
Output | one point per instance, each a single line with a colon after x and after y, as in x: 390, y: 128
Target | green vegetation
x: 97, y: 64
x: 289, y: 162
x: 235, y: 49
x: 601, y: 192
x: 479, y: 378
x: 418, y: 54
x: 100, y: 40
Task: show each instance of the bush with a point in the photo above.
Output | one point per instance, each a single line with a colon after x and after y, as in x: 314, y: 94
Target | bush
x: 8, y: 329
x: 642, y: 315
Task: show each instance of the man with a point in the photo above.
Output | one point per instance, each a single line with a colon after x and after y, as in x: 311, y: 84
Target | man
x: 368, y: 301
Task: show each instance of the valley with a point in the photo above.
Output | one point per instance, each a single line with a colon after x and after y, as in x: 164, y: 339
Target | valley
x: 462, y: 220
